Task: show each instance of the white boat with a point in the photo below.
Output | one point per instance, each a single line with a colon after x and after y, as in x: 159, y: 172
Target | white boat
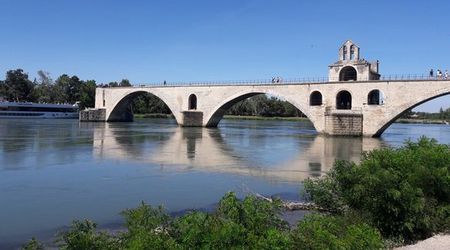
x: 31, y: 110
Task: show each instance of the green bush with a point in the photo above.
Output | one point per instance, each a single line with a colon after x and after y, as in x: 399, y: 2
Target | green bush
x: 147, y: 228
x: 83, y: 235
x: 33, y: 244
x: 251, y: 223
x: 334, y: 232
x: 403, y: 192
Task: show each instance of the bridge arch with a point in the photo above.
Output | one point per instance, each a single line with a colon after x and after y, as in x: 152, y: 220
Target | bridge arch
x: 122, y: 111
x: 397, y: 112
x: 217, y: 113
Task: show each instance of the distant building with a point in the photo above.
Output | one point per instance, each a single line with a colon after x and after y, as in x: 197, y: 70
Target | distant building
x: 351, y: 67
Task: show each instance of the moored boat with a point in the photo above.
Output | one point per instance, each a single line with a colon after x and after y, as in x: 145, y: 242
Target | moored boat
x: 29, y: 110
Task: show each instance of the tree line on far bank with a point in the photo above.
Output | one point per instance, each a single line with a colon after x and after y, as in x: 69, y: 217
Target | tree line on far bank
x: 18, y: 87
x: 65, y: 89
x: 70, y: 89
x: 443, y: 114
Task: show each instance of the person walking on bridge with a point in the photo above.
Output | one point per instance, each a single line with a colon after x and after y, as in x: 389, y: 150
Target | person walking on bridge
x: 431, y: 73
x: 446, y: 74
x: 439, y: 74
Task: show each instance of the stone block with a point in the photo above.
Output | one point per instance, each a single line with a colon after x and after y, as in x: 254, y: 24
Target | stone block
x: 93, y: 115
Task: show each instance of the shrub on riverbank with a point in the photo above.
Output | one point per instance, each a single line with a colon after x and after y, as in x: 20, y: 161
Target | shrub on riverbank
x: 252, y: 223
x: 334, y: 232
x: 403, y: 192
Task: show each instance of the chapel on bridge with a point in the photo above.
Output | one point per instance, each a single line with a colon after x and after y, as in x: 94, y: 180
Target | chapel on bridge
x: 351, y: 67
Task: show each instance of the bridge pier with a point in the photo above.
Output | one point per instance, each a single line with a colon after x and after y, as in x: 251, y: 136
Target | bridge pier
x: 343, y: 122
x: 192, y: 118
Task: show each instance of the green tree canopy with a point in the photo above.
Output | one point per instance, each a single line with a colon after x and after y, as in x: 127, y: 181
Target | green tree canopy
x: 17, y: 87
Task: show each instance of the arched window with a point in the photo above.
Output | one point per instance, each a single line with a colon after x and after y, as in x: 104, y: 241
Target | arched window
x: 348, y: 73
x: 374, y: 97
x: 344, y: 53
x: 315, y: 99
x: 352, y: 52
x: 344, y: 100
x: 192, y: 102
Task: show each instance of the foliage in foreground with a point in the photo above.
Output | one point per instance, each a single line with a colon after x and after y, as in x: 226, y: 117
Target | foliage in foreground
x: 33, y: 244
x: 251, y: 223
x: 335, y: 232
x: 404, y: 192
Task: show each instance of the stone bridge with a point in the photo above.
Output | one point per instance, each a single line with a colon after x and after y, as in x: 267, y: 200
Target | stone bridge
x: 357, y: 108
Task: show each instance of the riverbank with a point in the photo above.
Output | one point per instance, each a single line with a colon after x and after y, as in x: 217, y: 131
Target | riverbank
x: 229, y: 117
x: 156, y: 115
x: 422, y: 121
x: 248, y: 117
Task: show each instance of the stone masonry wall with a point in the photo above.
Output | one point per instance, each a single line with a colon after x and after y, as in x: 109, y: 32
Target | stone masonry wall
x: 192, y: 119
x: 93, y: 115
x: 344, y: 124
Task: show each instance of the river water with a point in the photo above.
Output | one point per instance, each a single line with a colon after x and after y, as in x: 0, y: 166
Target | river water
x: 55, y: 171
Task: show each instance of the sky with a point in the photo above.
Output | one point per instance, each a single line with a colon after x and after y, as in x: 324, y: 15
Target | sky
x: 204, y: 40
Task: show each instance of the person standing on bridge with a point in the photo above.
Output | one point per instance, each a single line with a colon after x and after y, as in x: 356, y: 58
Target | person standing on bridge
x: 439, y: 74
x: 431, y: 73
x: 446, y: 74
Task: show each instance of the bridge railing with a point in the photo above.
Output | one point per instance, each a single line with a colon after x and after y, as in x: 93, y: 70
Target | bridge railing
x: 305, y: 80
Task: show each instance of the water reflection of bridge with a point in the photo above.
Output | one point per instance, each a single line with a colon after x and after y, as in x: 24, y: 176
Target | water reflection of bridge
x: 199, y: 149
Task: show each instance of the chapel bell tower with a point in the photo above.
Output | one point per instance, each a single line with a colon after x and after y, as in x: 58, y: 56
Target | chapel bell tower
x: 351, y: 67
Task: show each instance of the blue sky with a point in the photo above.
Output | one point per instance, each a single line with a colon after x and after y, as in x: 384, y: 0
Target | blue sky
x: 199, y: 40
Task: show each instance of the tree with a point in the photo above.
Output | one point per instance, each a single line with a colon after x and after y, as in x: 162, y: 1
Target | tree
x: 3, y: 90
x: 43, y: 90
x: 87, y: 94
x: 67, y: 89
x: 125, y: 83
x: 61, y: 89
x: 113, y: 84
x: 17, y: 86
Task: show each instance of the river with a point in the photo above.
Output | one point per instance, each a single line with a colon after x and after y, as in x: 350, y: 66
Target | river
x: 55, y: 171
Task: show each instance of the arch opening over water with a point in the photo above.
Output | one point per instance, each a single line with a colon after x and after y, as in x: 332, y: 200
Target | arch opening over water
x: 344, y: 100
x: 256, y: 104
x: 348, y: 73
x: 139, y: 102
x: 386, y: 123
